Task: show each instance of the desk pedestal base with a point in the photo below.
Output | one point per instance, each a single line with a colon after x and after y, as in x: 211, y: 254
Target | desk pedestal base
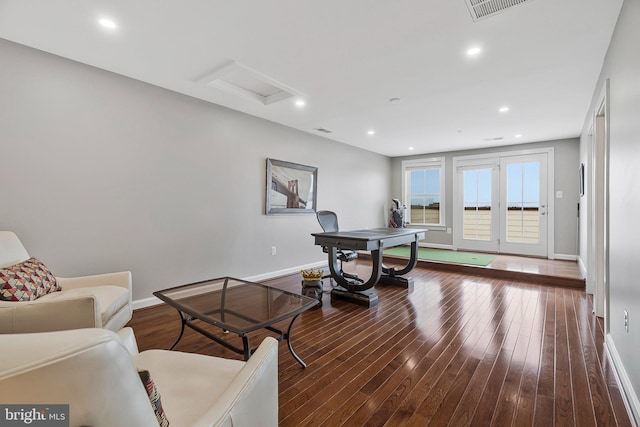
x: 402, y: 282
x: 367, y: 298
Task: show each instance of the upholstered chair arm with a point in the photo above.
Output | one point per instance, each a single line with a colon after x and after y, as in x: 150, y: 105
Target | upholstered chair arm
x: 43, y: 316
x: 252, y: 397
x: 122, y: 279
x: 87, y: 369
x: 128, y: 340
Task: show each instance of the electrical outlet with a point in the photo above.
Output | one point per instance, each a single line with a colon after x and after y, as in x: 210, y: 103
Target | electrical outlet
x: 626, y: 321
x: 273, y: 250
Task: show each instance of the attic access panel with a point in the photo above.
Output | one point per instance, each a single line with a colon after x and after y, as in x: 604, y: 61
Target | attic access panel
x: 248, y: 83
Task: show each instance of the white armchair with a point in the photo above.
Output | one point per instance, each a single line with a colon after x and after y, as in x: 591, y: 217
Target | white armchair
x: 94, y: 371
x: 102, y: 301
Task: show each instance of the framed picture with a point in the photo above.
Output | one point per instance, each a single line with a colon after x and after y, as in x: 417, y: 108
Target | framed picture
x: 581, y: 179
x: 291, y: 188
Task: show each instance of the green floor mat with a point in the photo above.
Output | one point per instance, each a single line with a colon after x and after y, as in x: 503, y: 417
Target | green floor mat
x: 443, y: 255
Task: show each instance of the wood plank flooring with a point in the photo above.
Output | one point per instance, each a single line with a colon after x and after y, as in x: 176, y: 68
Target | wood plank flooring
x: 459, y: 350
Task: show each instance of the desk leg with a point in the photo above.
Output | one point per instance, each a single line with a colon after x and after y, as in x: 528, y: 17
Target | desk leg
x: 351, y: 290
x: 392, y: 276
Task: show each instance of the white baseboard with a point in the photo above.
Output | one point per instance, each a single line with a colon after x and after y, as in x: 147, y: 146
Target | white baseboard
x: 147, y: 302
x: 583, y: 268
x: 629, y: 396
x: 565, y: 257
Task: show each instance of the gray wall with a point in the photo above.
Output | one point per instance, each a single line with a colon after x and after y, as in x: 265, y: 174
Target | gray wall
x: 622, y: 67
x: 566, y: 154
x: 104, y: 173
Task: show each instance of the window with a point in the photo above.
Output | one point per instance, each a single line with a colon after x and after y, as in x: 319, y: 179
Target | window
x: 423, y: 189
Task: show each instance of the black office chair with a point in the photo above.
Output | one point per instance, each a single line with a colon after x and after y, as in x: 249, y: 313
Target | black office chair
x: 329, y: 222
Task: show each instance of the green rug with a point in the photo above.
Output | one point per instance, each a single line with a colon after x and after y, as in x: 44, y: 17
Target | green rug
x: 443, y: 255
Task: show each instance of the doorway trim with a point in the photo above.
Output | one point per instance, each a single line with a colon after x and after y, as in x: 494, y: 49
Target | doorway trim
x: 599, y: 209
x: 461, y: 161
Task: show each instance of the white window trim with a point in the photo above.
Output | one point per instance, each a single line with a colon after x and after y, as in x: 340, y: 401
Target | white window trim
x: 421, y: 164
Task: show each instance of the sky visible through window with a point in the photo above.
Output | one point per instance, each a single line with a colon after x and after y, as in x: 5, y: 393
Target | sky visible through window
x: 523, y: 186
x: 425, y: 187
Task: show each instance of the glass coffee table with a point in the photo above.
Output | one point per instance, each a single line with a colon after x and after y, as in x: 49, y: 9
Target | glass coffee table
x: 237, y: 306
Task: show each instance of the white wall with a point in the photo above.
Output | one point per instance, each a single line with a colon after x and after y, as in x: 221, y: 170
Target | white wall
x: 104, y: 173
x: 566, y: 152
x: 622, y: 67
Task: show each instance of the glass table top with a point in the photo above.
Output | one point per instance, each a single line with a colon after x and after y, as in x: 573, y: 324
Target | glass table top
x: 234, y: 304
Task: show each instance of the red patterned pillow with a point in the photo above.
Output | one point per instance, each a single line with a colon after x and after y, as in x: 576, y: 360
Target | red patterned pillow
x: 26, y: 281
x: 154, y: 398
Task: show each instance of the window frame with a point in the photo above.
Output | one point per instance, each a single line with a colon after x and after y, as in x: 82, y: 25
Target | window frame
x: 422, y: 164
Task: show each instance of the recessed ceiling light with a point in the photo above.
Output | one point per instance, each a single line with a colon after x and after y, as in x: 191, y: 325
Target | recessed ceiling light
x: 518, y: 135
x: 300, y: 103
x: 474, y: 51
x: 371, y: 132
x: 503, y: 109
x: 410, y: 148
x: 107, y: 23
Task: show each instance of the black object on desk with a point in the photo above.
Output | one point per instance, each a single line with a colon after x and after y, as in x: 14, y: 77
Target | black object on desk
x: 374, y: 240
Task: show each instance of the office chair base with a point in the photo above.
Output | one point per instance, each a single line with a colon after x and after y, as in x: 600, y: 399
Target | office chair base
x: 368, y: 298
x: 351, y: 276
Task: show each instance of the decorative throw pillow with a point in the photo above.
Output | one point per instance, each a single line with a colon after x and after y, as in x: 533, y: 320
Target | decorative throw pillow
x: 154, y: 398
x: 26, y: 281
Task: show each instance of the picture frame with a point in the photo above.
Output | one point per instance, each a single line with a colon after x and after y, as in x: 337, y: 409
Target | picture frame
x: 581, y: 179
x: 291, y: 188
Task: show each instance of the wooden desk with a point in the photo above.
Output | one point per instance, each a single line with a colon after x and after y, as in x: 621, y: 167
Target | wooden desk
x: 374, y: 240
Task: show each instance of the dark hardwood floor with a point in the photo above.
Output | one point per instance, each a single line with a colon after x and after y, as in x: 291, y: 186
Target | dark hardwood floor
x: 459, y: 350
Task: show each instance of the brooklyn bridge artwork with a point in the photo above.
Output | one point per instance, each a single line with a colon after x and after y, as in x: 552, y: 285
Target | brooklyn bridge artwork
x: 291, y: 187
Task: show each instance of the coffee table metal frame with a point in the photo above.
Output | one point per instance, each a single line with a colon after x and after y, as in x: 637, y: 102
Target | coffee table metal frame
x: 188, y: 316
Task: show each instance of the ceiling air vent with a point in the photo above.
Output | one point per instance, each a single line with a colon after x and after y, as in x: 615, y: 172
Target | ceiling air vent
x: 241, y: 80
x: 482, y: 9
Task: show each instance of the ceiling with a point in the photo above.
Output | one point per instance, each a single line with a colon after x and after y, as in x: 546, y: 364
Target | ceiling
x: 348, y: 59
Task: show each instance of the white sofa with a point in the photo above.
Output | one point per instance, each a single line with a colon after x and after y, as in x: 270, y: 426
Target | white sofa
x: 94, y: 371
x: 101, y: 301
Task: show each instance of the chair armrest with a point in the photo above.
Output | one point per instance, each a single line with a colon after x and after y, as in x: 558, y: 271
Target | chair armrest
x: 129, y: 340
x: 122, y: 279
x: 26, y: 317
x: 252, y: 397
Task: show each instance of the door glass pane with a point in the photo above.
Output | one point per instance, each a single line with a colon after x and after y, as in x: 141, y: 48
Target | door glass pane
x: 523, y: 202
x: 477, y: 204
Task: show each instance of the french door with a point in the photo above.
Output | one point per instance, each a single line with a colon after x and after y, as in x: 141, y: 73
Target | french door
x: 501, y: 205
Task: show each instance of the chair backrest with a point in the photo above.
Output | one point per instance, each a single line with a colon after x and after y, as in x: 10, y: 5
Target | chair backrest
x: 328, y: 221
x: 11, y: 249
